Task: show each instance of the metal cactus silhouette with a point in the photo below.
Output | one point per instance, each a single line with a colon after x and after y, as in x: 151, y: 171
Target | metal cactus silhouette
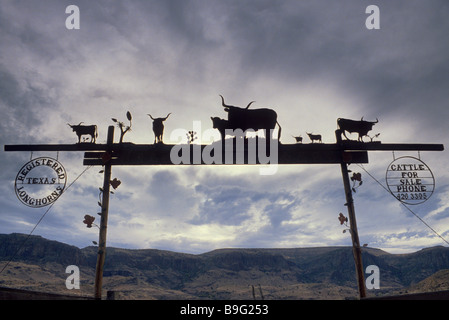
x: 123, y: 128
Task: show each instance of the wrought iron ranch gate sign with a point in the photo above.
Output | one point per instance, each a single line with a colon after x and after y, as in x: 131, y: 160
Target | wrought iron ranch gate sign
x: 405, y: 180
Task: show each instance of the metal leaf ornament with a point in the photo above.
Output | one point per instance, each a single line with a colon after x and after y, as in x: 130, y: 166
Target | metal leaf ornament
x: 356, y: 177
x: 342, y: 218
x: 88, y: 220
x: 115, y: 183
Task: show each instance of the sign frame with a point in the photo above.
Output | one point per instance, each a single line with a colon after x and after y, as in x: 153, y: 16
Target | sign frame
x: 23, y: 180
x: 411, y: 183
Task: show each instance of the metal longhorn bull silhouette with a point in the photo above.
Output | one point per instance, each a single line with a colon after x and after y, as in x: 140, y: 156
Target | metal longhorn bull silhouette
x: 90, y: 130
x: 361, y: 127
x: 255, y: 119
x: 158, y: 128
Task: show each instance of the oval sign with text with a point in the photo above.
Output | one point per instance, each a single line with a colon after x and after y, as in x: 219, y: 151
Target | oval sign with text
x: 410, y: 180
x: 40, y: 182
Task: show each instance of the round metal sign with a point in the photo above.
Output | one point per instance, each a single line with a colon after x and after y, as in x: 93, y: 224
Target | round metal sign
x: 410, y: 180
x: 40, y: 182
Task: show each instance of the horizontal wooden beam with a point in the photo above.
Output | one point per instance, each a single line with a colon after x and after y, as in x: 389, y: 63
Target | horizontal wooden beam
x: 159, y: 154
x: 378, y: 146
x: 194, y: 154
x: 346, y: 145
x: 56, y: 147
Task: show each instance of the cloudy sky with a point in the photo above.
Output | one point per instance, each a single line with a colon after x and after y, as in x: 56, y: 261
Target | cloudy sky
x: 313, y: 61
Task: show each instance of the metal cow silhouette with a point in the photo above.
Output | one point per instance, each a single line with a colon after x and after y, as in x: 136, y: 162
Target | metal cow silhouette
x: 298, y: 139
x: 361, y: 127
x: 314, y: 137
x: 81, y: 130
x: 256, y: 119
x: 158, y: 128
x: 221, y: 125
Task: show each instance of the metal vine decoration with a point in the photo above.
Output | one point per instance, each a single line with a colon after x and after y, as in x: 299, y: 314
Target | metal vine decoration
x: 88, y: 219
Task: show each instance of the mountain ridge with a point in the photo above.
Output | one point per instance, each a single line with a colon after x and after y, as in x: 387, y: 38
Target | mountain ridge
x: 228, y: 273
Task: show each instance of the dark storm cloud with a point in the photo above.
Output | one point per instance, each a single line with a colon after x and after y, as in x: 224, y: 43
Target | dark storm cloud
x: 21, y: 103
x: 406, y: 71
x: 400, y: 69
x: 295, y: 40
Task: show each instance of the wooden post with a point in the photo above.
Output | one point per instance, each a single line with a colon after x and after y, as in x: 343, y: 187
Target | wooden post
x: 354, y: 233
x: 104, y: 220
x: 357, y: 251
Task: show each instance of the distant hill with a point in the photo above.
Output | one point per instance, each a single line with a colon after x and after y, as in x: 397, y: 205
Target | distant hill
x: 439, y: 281
x: 297, y: 273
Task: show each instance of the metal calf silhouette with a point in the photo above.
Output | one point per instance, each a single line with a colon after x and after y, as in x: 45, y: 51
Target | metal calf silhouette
x: 221, y: 125
x: 255, y: 119
x: 158, y: 128
x: 298, y: 139
x: 314, y: 137
x: 81, y: 130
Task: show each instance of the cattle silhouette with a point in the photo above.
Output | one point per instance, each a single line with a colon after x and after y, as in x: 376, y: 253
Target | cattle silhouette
x: 255, y: 119
x: 361, y: 127
x: 81, y: 130
x: 314, y: 137
x: 158, y: 128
